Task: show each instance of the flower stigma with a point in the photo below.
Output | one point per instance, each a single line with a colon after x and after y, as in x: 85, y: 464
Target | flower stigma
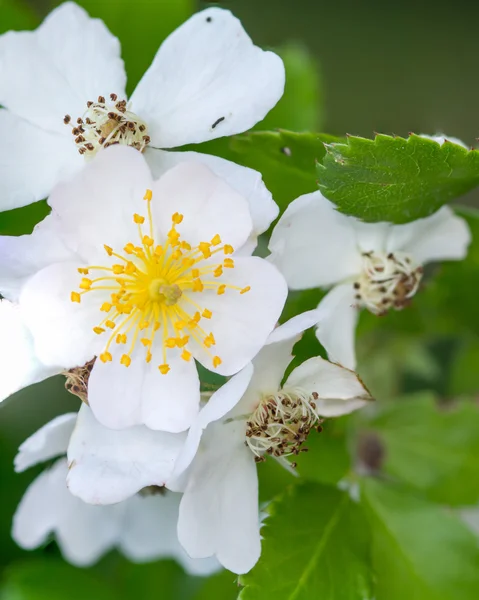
x: 388, y: 281
x: 150, y: 293
x: 107, y: 123
x: 281, y: 424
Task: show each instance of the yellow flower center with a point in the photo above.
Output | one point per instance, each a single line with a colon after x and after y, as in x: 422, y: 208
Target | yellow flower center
x: 154, y: 293
x: 106, y: 123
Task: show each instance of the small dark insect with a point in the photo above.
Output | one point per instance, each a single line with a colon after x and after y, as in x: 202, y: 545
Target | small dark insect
x: 217, y: 122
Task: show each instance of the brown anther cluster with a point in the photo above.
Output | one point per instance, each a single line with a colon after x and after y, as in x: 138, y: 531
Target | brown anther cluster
x: 77, y: 380
x: 105, y: 124
x: 281, y: 424
x: 388, y: 282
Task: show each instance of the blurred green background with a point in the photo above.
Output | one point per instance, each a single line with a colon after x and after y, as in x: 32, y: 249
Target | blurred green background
x: 392, y: 67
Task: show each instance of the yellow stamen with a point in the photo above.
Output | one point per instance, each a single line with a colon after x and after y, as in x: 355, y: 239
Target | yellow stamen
x: 138, y: 219
x: 164, y: 369
x: 125, y: 360
x: 75, y: 297
x: 216, y: 361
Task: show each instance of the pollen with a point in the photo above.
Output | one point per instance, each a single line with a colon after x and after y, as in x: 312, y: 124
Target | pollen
x: 152, y: 293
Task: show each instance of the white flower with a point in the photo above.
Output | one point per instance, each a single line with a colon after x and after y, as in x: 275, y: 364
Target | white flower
x: 144, y: 275
x: 377, y: 266
x: 143, y: 527
x: 207, y: 80
x: 249, y: 418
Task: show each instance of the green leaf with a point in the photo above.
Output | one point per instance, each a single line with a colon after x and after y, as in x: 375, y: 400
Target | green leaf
x: 53, y: 580
x: 464, y: 374
x: 301, y: 107
x: 222, y: 586
x: 20, y: 221
x: 16, y: 15
x: 432, y: 448
x: 396, y: 179
x: 141, y: 26
x: 315, y: 545
x: 287, y: 160
x: 421, y: 551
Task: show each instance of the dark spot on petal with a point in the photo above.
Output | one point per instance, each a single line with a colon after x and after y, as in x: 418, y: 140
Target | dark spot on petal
x: 217, y: 122
x: 209, y: 19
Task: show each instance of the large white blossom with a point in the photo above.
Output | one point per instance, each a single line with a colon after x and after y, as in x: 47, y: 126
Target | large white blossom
x: 145, y: 275
x: 251, y: 417
x: 143, y: 527
x: 377, y: 266
x: 207, y: 80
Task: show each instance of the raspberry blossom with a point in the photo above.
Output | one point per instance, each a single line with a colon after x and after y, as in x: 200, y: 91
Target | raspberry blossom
x: 143, y: 274
x: 143, y: 527
x: 376, y: 266
x: 60, y: 109
x: 249, y: 418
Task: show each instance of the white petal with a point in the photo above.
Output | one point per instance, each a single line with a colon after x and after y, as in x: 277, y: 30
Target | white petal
x: 219, y: 509
x: 442, y: 236
x: 62, y: 329
x: 340, y: 390
x: 209, y: 206
x: 56, y: 69
x: 207, y: 80
x: 241, y: 323
x: 32, y: 161
x: 294, y: 327
x: 20, y: 365
x: 107, y: 466
x: 96, y: 207
x: 49, y: 441
x: 220, y: 403
x: 83, y: 532
x: 149, y: 533
x: 313, y: 244
x: 22, y: 256
x: 247, y: 182
x: 139, y: 394
x: 337, y: 319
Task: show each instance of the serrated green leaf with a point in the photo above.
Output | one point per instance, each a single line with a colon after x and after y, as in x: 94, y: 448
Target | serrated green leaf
x: 421, y: 551
x: 53, y: 580
x: 287, y: 160
x: 315, y: 545
x: 396, y: 179
x: 140, y: 26
x: 301, y: 106
x: 431, y: 448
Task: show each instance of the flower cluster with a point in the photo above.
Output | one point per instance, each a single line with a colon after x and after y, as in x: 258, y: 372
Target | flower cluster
x: 144, y: 270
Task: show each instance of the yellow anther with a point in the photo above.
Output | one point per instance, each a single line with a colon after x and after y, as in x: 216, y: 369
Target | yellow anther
x: 148, y: 241
x: 227, y: 249
x: 185, y: 246
x: 138, y: 219
x: 146, y: 342
x: 216, y: 240
x: 216, y: 361
x: 98, y: 330
x: 229, y: 263
x: 180, y: 325
x: 176, y: 254
x: 245, y: 289
x: 197, y: 317
x: 205, y: 249
x: 177, y: 218
x: 195, y: 273
x: 156, y: 325
x: 83, y: 271
x: 180, y: 342
x: 125, y: 360
x: 189, y: 262
x: 207, y: 314
x: 149, y: 356
x: 108, y: 250
x: 106, y: 357
x: 121, y: 338
x: 110, y: 324
x: 218, y: 271
x: 130, y: 268
x: 198, y: 285
x: 129, y: 248
x: 75, y: 297
x: 221, y: 290
x: 209, y: 340
x: 85, y: 284
x: 164, y: 369
x: 118, y: 269
x: 148, y: 195
x: 105, y: 307
x: 143, y: 325
x: 173, y: 236
x: 185, y: 355
x: 170, y: 343
x: 159, y: 250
